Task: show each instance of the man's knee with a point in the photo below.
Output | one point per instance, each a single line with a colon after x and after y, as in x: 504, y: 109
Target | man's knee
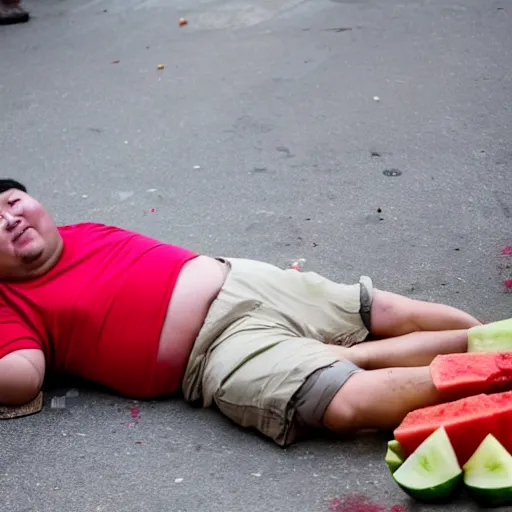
x: 317, y: 394
x: 353, y: 406
x: 392, y: 315
x: 341, y: 415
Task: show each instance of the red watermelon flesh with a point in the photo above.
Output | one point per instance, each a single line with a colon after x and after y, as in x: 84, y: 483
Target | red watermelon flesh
x: 503, y: 403
x: 504, y: 362
x: 467, y: 422
x: 460, y: 375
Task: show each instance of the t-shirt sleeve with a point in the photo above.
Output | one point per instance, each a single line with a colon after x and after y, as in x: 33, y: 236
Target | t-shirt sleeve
x: 15, y: 334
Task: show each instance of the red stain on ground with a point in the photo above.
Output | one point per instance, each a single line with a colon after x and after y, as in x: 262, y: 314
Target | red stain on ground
x: 358, y: 503
x: 135, y: 413
x: 505, y: 267
x: 355, y: 504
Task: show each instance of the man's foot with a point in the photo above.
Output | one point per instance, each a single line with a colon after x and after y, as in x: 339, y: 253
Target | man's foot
x: 12, y: 13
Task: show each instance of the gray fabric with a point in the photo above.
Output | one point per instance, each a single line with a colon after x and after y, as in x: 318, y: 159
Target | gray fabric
x: 315, y: 395
x: 366, y: 301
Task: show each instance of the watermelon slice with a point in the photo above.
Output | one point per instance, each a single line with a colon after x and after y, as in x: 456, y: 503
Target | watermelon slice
x: 467, y: 422
x: 492, y: 337
x: 431, y: 473
x: 488, y: 474
x: 393, y: 461
x: 502, y: 403
x: 394, y: 446
x: 461, y: 375
x: 395, y: 456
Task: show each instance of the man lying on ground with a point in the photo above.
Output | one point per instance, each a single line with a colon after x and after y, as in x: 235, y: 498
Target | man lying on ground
x: 281, y: 351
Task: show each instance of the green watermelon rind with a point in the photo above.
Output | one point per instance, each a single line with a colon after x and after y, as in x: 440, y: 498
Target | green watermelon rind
x: 395, y: 447
x: 392, y: 460
x: 491, y: 497
x: 437, y: 452
x: 476, y: 471
x: 492, y: 337
x: 439, y: 494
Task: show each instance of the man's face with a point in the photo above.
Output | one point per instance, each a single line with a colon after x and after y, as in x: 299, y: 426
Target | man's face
x: 30, y: 243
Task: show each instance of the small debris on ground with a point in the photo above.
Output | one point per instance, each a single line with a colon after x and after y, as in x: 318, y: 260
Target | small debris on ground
x: 298, y: 265
x: 58, y: 402
x: 338, y: 29
x: 135, y: 414
x: 376, y: 98
x: 61, y: 402
x: 160, y: 66
x: 183, y: 22
x: 392, y: 173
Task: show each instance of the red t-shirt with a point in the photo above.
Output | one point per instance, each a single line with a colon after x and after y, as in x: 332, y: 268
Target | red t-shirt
x: 98, y: 313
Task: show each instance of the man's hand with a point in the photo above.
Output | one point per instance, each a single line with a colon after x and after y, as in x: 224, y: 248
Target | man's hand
x: 21, y: 376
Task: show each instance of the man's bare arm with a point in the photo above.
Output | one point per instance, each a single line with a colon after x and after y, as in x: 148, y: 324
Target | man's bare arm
x: 21, y: 376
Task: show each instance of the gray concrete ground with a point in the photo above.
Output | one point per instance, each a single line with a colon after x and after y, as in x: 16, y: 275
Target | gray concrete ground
x: 260, y: 138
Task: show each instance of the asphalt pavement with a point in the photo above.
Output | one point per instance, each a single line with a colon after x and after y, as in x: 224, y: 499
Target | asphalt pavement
x: 366, y: 136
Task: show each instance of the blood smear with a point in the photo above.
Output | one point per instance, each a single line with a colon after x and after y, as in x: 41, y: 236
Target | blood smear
x: 355, y: 504
x: 507, y: 250
x: 360, y: 504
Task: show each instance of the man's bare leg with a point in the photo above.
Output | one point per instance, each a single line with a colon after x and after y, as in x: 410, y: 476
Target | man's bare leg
x: 394, y: 315
x: 398, y: 380
x: 380, y: 399
x: 413, y: 349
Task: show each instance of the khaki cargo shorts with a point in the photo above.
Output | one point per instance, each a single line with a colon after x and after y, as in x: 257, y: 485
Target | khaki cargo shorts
x: 261, y: 356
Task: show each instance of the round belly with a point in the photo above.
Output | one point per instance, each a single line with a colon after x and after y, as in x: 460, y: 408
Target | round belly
x: 198, y: 284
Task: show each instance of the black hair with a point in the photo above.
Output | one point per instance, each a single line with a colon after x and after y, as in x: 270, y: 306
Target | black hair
x: 8, y: 184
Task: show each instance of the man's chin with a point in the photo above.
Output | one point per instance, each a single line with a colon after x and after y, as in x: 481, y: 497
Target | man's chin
x: 31, y: 257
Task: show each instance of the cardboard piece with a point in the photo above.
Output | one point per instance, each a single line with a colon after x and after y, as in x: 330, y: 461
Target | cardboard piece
x: 8, y: 412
